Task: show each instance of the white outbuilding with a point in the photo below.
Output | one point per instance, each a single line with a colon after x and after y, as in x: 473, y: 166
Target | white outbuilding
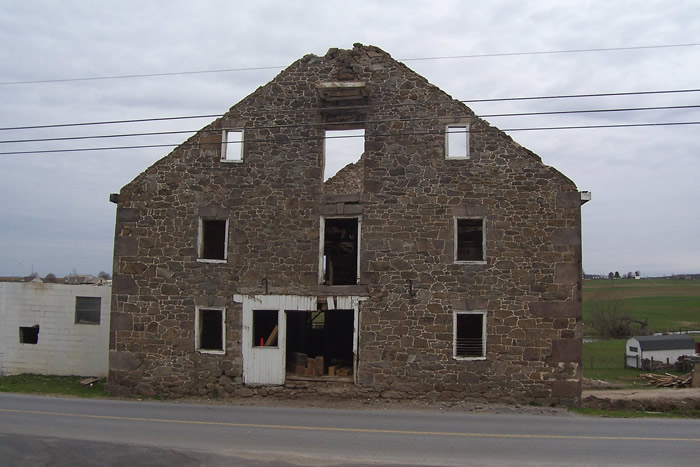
x: 664, y: 348
x: 54, y: 329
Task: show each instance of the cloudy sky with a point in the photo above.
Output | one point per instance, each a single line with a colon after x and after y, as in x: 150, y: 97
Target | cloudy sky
x: 80, y: 61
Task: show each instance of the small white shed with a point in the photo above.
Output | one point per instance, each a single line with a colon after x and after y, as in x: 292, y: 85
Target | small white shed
x: 658, y: 348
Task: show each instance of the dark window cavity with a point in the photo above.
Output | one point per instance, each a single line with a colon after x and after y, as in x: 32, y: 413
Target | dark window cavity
x: 340, y: 251
x: 265, y: 327
x: 469, y: 335
x: 213, y: 239
x: 211, y: 330
x: 470, y: 240
x: 29, y: 334
x: 87, y: 310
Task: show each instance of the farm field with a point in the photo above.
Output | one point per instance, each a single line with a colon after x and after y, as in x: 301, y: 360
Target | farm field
x: 668, y: 305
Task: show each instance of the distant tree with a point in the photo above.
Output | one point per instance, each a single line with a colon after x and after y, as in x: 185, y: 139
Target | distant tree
x: 637, y: 273
x: 104, y: 275
x: 610, y: 275
x: 630, y: 275
x: 50, y: 277
x: 617, y: 274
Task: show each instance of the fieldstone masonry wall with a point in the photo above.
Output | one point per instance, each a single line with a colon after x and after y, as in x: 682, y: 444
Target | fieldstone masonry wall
x: 408, y: 195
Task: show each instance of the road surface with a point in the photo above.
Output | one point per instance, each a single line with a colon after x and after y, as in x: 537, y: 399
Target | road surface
x: 39, y: 430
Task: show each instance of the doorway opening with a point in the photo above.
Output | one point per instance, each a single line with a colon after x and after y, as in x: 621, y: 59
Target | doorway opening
x: 320, y: 344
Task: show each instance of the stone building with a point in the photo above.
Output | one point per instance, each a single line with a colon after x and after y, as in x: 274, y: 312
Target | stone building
x: 444, y: 263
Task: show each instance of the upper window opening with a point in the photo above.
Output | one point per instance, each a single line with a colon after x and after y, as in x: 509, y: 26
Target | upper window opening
x: 265, y: 328
x: 212, y: 244
x: 29, y: 334
x: 87, y: 310
x: 470, y: 240
x: 457, y: 141
x: 342, y: 147
x: 211, y: 330
x: 340, y: 251
x: 470, y: 335
x: 232, y: 148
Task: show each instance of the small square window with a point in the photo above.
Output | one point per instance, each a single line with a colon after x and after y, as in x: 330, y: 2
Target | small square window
x: 29, y: 334
x: 265, y: 328
x: 470, y: 335
x: 213, y: 239
x: 457, y: 141
x: 211, y: 330
x: 87, y: 310
x: 470, y: 240
x: 232, y: 146
x: 633, y: 349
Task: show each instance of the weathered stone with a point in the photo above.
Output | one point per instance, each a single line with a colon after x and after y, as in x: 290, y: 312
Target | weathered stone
x: 405, y: 194
x: 567, y: 350
x: 556, y: 309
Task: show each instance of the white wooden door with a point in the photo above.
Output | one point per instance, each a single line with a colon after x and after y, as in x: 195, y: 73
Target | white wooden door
x: 266, y: 364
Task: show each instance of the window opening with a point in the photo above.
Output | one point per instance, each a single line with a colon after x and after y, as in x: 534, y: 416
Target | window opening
x: 319, y: 343
x: 633, y: 349
x: 29, y: 334
x: 232, y: 150
x: 87, y: 310
x: 457, y: 141
x: 340, y: 253
x: 470, y: 240
x: 211, y: 330
x: 470, y: 335
x: 213, y: 241
x: 265, y: 328
x: 342, y: 147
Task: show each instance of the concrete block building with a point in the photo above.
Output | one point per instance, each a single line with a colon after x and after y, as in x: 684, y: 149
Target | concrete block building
x: 54, y: 329
x: 445, y: 261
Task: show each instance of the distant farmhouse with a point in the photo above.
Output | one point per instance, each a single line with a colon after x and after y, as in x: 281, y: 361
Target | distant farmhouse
x: 445, y: 262
x: 54, y: 328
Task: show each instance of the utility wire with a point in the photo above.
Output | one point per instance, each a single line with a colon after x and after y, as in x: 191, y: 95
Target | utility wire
x: 356, y: 122
x: 278, y: 67
x: 498, y: 99
x: 288, y: 139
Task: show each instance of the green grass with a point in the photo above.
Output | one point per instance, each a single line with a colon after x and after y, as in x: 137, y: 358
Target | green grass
x: 668, y: 305
x: 604, y: 360
x: 42, y: 384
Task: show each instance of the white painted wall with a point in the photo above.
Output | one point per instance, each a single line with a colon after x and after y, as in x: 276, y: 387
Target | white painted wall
x: 63, y: 348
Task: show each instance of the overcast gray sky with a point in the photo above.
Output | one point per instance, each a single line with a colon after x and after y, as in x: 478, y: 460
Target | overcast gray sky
x: 54, y: 210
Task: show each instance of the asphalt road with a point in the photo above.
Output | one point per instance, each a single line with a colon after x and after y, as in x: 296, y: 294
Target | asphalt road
x: 65, y: 431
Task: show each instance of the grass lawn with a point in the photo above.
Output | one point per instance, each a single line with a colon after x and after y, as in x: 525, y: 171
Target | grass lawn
x: 668, y: 305
x: 42, y: 384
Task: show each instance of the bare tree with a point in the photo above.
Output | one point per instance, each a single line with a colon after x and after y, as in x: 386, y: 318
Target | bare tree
x: 104, y: 275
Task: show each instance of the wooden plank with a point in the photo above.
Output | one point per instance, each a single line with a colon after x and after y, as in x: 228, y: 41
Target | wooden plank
x: 271, y: 338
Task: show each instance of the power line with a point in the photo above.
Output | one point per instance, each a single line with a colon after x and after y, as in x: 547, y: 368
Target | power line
x: 550, y: 52
x: 356, y: 122
x: 278, y: 67
x: 498, y: 99
x: 287, y: 139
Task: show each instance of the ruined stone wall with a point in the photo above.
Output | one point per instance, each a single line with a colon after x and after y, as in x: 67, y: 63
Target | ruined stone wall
x: 529, y: 284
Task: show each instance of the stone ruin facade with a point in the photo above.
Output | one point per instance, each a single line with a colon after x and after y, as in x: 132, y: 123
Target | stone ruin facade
x: 444, y: 263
